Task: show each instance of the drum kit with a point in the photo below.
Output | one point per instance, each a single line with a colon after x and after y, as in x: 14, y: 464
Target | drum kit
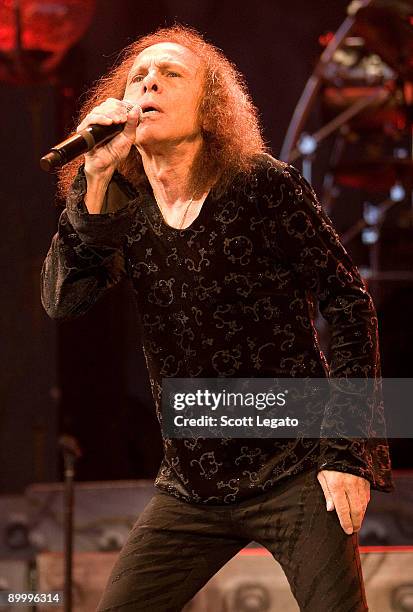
x: 362, y: 87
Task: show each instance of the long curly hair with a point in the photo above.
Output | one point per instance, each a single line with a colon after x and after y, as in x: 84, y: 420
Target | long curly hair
x: 229, y: 120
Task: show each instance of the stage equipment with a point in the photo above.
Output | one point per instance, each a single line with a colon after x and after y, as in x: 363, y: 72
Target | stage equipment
x: 15, y: 576
x: 250, y: 582
x: 104, y: 513
x: 363, y: 87
x: 15, y: 541
x: 254, y: 582
x: 90, y: 573
x: 388, y: 520
x: 36, y: 34
x: 71, y: 453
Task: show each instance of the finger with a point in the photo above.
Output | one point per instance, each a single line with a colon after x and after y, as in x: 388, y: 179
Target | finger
x: 327, y: 494
x: 114, y: 109
x: 115, y: 103
x: 132, y: 121
x: 366, y: 488
x: 357, y: 510
x: 94, y: 118
x: 111, y: 105
x: 357, y: 500
x: 343, y: 510
x: 117, y: 112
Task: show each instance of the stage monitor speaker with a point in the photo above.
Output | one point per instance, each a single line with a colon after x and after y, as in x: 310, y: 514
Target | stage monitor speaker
x: 14, y: 528
x: 250, y: 582
x: 14, y: 577
x: 254, y: 582
x: 388, y: 576
x: 90, y: 573
x: 104, y: 513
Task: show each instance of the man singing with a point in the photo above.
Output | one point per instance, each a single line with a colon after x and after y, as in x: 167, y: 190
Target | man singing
x: 228, y: 250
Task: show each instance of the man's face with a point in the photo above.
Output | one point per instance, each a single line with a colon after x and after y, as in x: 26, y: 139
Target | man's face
x: 167, y: 78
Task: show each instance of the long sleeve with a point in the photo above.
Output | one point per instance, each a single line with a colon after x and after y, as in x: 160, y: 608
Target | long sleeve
x: 86, y: 256
x: 303, y: 235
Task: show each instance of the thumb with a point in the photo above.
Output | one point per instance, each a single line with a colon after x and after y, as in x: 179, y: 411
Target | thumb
x: 323, y: 483
x: 134, y: 117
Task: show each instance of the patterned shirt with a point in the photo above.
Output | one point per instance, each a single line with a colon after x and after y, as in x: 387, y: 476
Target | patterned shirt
x: 232, y: 295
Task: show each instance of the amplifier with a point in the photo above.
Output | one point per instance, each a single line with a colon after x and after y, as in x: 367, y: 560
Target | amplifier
x: 104, y: 513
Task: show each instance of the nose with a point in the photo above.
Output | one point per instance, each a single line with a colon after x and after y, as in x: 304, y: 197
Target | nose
x: 150, y: 83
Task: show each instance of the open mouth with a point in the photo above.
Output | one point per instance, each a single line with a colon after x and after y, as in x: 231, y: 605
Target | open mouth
x: 149, y: 110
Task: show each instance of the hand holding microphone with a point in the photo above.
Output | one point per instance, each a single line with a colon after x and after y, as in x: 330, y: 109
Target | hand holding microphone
x: 113, y: 122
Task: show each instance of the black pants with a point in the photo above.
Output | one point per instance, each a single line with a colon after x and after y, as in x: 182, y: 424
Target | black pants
x: 175, y: 548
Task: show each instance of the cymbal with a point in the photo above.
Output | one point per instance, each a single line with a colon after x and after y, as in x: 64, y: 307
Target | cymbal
x: 387, y: 30
x: 374, y: 176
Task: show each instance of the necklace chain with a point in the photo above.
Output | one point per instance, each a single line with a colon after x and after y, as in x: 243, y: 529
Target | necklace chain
x: 185, y: 212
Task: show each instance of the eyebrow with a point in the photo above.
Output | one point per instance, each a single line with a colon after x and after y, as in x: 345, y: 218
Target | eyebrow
x: 161, y: 64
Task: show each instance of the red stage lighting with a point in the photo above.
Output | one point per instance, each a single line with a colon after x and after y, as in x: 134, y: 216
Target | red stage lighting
x: 35, y: 34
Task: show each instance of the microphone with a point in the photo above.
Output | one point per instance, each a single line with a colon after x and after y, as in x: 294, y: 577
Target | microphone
x: 81, y: 142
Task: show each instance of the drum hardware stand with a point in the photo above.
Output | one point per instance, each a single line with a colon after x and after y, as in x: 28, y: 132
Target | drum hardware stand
x: 71, y: 452
x: 366, y: 66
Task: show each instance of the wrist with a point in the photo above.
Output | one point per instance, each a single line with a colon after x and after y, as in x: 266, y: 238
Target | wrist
x: 96, y: 178
x: 97, y: 185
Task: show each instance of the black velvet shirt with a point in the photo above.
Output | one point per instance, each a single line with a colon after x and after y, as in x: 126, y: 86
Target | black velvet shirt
x: 232, y: 295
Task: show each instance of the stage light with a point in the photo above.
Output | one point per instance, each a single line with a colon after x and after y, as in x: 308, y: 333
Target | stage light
x: 35, y: 35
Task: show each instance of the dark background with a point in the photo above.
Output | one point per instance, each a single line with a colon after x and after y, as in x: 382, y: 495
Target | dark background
x: 87, y: 377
